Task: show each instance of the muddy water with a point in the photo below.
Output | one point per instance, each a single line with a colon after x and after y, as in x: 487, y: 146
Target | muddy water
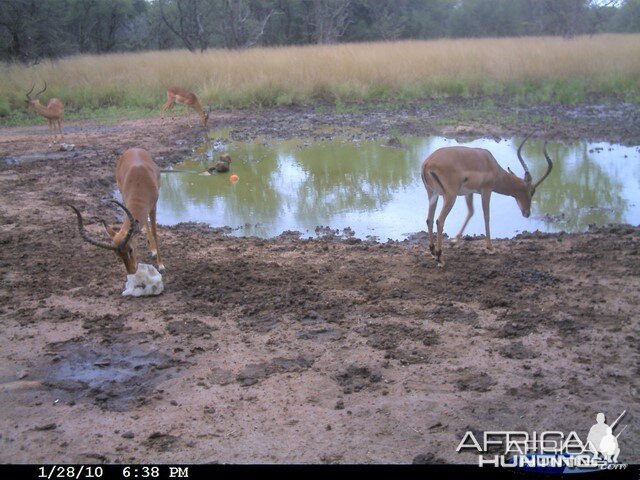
x: 374, y: 189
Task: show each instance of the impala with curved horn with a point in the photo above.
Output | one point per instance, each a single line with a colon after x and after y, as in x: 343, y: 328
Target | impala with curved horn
x: 457, y: 171
x: 189, y: 100
x: 52, y: 112
x: 138, y: 179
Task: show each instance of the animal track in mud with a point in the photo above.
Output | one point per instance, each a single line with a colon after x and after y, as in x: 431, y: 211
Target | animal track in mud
x: 477, y: 382
x: 400, y: 341
x: 519, y: 323
x: 162, y: 442
x: 194, y: 328
x: 517, y: 351
x: 357, y: 377
x: 104, y: 324
x: 258, y: 323
x: 448, y: 312
x: 256, y: 372
x: 322, y: 334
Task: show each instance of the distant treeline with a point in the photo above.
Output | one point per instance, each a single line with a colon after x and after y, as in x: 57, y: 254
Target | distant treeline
x: 31, y: 30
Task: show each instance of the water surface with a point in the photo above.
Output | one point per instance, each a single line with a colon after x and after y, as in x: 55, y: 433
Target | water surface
x: 376, y: 190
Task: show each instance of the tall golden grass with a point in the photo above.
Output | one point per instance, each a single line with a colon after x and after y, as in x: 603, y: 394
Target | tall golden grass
x: 546, y: 67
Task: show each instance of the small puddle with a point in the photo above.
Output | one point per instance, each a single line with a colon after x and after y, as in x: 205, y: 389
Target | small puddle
x: 374, y: 190
x: 118, y: 377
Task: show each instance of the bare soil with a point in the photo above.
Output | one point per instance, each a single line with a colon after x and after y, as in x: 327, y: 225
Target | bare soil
x: 291, y: 350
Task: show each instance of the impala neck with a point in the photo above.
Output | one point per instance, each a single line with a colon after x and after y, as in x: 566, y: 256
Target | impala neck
x: 41, y: 109
x: 199, y: 108
x: 139, y: 210
x: 120, y: 234
x: 508, y: 184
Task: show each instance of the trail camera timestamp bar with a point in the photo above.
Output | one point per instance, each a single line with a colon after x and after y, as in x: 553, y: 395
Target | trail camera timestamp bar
x: 282, y: 472
x: 110, y: 472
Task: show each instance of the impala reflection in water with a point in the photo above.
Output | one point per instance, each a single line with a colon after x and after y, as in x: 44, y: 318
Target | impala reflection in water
x: 376, y: 190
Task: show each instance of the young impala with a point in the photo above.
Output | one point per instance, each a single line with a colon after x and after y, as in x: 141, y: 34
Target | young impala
x: 138, y: 179
x: 457, y: 171
x: 52, y: 112
x: 188, y: 99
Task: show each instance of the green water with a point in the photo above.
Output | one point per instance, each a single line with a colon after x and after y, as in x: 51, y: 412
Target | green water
x: 376, y: 190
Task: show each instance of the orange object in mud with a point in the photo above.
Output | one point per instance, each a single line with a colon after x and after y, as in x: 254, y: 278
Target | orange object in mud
x: 234, y: 178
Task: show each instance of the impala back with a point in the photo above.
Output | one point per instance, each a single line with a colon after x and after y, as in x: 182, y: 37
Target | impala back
x: 138, y: 178
x: 460, y: 170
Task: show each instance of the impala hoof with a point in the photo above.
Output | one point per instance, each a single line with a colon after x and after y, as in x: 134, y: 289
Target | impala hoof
x: 161, y: 269
x: 439, y: 259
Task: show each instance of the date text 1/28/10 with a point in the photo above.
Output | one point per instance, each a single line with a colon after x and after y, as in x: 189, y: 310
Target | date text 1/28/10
x: 109, y: 472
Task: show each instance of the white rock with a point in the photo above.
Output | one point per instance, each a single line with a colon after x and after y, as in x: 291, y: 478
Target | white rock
x: 146, y: 281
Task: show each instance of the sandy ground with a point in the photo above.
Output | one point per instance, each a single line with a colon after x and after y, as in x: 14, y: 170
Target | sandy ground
x: 291, y: 350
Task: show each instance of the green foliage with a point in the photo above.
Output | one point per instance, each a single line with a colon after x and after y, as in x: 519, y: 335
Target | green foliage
x: 5, y: 109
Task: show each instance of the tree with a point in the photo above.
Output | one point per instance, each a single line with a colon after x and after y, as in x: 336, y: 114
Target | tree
x: 242, y: 23
x: 32, y: 29
x: 110, y: 21
x: 327, y: 19
x: 626, y: 18
x: 187, y: 20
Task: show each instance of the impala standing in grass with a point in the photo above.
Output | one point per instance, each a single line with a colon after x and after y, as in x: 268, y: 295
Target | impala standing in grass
x: 456, y: 171
x: 52, y: 112
x: 189, y: 100
x: 138, y: 179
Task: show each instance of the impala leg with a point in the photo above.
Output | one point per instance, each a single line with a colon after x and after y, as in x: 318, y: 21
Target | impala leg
x: 186, y: 107
x: 52, y: 131
x: 486, y: 197
x: 446, y: 208
x: 469, y: 199
x: 152, y: 238
x: 60, y: 128
x: 168, y: 104
x: 433, y: 203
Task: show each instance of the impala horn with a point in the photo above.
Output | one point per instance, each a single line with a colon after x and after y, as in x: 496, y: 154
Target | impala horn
x: 98, y: 243
x: 527, y: 175
x: 546, y: 155
x: 29, y: 92
x: 41, y: 91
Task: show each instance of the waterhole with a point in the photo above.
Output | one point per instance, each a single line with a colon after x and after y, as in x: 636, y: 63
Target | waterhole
x: 374, y: 189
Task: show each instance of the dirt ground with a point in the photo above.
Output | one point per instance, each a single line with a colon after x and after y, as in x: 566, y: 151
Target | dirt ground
x: 291, y: 350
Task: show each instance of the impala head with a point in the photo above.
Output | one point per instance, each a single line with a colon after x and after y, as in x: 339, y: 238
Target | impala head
x: 121, y: 241
x: 31, y: 102
x: 526, y: 187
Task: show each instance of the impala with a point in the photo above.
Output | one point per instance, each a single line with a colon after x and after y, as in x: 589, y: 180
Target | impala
x: 138, y: 179
x: 52, y: 112
x: 457, y: 171
x: 188, y: 99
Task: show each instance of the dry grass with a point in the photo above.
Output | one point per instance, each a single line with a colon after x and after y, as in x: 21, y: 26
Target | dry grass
x: 544, y: 68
